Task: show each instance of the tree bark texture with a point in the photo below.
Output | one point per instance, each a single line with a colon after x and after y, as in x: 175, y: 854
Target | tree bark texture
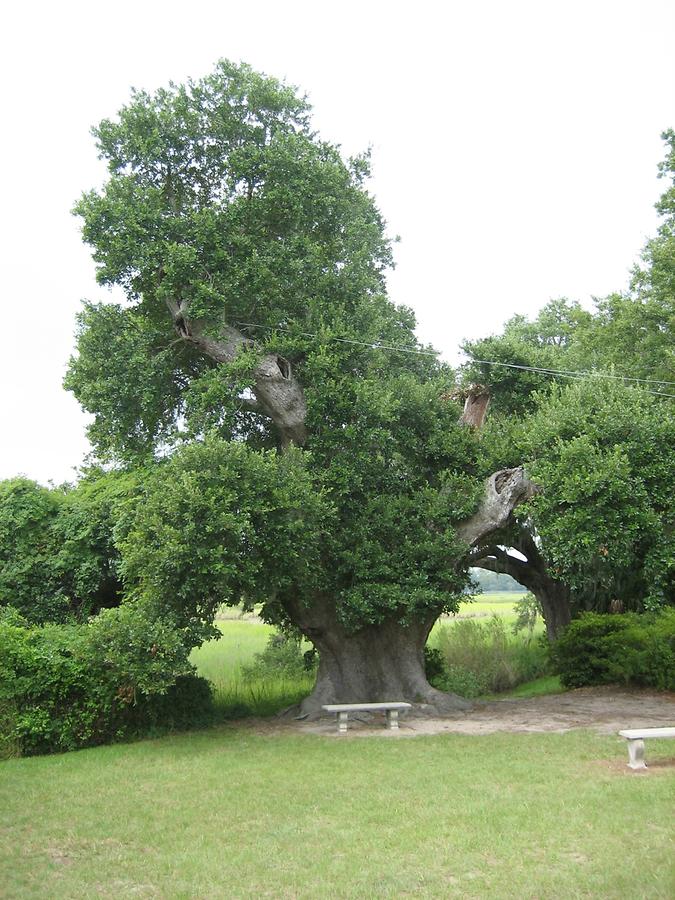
x: 532, y: 572
x: 476, y: 405
x: 277, y: 392
x: 379, y: 663
x: 504, y: 491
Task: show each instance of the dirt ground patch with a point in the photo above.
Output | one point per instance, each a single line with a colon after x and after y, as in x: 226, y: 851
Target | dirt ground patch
x: 603, y: 709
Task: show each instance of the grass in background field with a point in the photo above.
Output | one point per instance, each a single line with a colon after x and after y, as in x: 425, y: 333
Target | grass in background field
x: 485, y: 605
x: 221, y: 662
x: 234, y: 813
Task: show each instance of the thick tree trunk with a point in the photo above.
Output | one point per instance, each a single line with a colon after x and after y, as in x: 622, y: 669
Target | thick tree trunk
x: 554, y: 599
x: 375, y: 664
x: 385, y: 662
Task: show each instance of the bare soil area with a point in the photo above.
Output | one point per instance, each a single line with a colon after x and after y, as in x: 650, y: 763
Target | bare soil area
x: 604, y: 709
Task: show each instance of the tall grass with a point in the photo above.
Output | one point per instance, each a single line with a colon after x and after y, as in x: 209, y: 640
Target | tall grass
x: 486, y: 658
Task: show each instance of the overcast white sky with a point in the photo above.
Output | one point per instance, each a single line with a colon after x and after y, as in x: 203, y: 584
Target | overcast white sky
x: 515, y: 147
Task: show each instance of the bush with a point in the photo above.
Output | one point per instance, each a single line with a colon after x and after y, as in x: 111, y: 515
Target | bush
x: 69, y: 686
x: 434, y: 664
x: 283, y: 657
x: 482, y: 658
x: 629, y: 648
x: 462, y: 681
x: 186, y: 704
x: 58, y: 562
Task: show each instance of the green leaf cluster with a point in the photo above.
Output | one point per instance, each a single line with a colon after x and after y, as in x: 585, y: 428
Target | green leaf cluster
x: 629, y: 649
x: 604, y: 455
x: 220, y: 523
x: 76, y: 685
x: 58, y: 559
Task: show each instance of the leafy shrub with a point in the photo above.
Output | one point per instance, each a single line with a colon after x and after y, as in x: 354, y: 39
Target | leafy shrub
x: 69, y: 686
x: 482, y: 658
x: 28, y: 548
x: 628, y: 648
x: 186, y: 704
x: 434, y: 664
x: 464, y: 682
x: 658, y: 662
x: 283, y: 657
x: 58, y: 561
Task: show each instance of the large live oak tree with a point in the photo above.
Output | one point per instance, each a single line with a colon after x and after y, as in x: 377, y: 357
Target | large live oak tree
x: 306, y: 465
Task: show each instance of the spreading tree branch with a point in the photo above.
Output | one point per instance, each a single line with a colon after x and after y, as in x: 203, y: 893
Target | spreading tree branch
x: 504, y: 491
x: 278, y: 394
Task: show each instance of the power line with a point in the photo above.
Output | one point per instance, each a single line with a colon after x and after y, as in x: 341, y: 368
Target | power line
x: 571, y: 374
x: 378, y: 345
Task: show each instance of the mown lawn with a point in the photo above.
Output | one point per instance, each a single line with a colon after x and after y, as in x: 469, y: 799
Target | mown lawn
x: 237, y: 812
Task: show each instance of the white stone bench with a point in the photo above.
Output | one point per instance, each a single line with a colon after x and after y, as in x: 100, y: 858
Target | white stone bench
x: 636, y: 743
x: 343, y: 710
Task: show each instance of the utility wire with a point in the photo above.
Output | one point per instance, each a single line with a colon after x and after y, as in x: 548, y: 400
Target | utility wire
x: 571, y: 374
x: 378, y: 345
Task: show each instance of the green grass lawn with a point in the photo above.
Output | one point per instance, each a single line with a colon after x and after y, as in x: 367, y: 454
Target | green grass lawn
x: 235, y: 812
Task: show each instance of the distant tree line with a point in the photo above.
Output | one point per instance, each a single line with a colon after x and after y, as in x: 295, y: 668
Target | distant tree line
x: 495, y: 582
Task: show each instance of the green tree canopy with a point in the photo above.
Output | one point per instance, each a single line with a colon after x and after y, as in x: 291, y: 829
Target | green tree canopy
x: 58, y: 559
x: 604, y: 455
x: 600, y: 447
x: 309, y: 467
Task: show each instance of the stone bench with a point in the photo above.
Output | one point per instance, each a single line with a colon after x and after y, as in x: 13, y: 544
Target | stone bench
x: 343, y: 710
x: 636, y: 746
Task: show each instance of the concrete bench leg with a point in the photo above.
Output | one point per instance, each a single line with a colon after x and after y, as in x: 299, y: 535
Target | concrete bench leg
x: 392, y: 719
x: 342, y: 722
x: 636, y: 755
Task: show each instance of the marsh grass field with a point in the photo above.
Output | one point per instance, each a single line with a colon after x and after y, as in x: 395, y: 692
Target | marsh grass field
x: 501, y: 604
x: 221, y: 662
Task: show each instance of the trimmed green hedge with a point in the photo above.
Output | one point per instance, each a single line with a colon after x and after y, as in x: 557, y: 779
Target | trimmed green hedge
x: 630, y: 648
x: 120, y: 675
